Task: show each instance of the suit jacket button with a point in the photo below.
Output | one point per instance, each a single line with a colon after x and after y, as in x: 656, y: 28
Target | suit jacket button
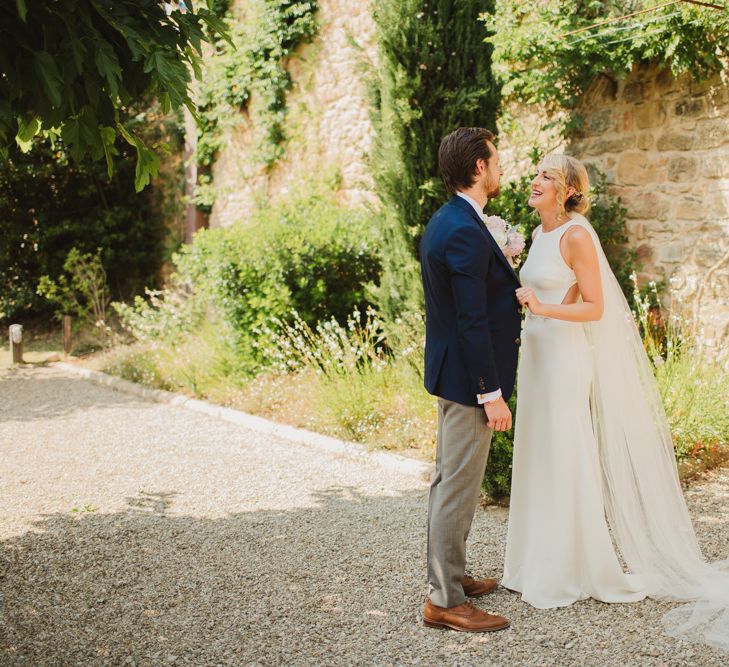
x: 518, y: 341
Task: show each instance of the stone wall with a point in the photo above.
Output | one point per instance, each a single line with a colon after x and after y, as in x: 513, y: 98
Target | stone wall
x: 328, y: 121
x: 664, y: 144
x: 662, y: 141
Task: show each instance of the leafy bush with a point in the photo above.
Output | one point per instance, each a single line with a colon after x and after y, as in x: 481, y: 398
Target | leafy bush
x: 693, y: 384
x: 307, y: 254
x: 497, y: 478
x: 198, y: 363
x: 166, y: 315
x: 82, y: 291
x: 50, y: 204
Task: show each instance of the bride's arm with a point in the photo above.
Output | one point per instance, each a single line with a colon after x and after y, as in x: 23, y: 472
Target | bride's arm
x: 581, y: 256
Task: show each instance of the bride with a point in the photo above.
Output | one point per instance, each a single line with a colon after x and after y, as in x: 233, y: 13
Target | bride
x: 592, y: 451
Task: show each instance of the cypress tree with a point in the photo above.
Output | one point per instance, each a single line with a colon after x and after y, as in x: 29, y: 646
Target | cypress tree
x: 434, y: 76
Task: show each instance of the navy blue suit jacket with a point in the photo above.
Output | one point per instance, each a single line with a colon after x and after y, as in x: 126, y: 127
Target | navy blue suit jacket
x: 472, y: 316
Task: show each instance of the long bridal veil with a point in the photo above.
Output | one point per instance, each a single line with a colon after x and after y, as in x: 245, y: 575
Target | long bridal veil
x: 644, y: 502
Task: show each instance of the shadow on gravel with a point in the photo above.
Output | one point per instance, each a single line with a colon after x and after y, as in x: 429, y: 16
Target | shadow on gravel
x: 337, y: 583
x: 150, y: 588
x: 29, y: 396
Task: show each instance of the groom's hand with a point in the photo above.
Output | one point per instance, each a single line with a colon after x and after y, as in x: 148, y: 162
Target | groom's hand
x: 498, y: 414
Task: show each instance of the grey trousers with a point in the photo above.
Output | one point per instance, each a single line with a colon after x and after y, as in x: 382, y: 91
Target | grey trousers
x: 463, y: 446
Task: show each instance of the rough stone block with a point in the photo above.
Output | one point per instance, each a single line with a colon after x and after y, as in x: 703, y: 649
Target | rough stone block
x: 616, y: 144
x: 682, y: 168
x: 649, y: 114
x: 665, y: 81
x: 636, y: 168
x: 690, y: 209
x: 627, y: 125
x: 691, y: 108
x: 671, y: 253
x: 720, y: 205
x: 636, y: 229
x: 599, y: 122
x: 711, y: 133
x: 644, y: 253
x: 646, y: 140
x: 633, y: 92
x: 673, y: 140
x: 716, y: 166
x: 645, y: 205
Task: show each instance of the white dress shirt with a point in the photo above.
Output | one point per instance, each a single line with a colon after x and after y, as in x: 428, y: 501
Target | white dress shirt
x: 492, y: 395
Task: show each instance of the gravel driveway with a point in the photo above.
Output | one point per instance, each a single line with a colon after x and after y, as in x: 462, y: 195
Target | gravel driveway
x: 138, y: 533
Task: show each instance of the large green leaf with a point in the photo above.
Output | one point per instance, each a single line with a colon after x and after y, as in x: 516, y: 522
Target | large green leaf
x: 73, y: 63
x: 147, y: 160
x: 108, y: 137
x: 49, y: 76
x: 22, y: 9
x: 26, y: 132
x: 107, y: 65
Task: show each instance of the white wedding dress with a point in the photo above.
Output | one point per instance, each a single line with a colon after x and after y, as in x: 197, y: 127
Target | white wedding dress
x: 559, y: 548
x: 592, y: 449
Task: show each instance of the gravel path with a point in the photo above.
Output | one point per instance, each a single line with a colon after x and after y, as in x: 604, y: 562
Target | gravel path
x: 137, y: 533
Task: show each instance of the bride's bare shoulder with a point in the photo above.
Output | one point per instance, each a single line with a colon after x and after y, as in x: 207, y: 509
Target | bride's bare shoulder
x: 577, y: 241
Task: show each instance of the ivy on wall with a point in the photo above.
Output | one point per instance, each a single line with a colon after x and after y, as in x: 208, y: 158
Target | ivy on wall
x: 249, y: 74
x: 539, y: 63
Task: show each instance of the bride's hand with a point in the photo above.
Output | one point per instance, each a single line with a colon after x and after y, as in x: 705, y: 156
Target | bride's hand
x: 527, y: 298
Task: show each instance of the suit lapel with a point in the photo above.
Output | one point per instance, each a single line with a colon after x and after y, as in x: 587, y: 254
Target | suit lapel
x: 462, y: 204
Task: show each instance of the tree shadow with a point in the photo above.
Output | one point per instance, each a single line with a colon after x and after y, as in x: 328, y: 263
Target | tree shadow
x: 151, y: 587
x: 27, y: 395
x: 339, y: 580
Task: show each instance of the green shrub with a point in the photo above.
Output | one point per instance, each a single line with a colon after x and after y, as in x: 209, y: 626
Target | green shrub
x: 166, y: 315
x: 50, y: 204
x: 497, y: 478
x: 694, y: 384
x: 81, y: 291
x: 307, y: 254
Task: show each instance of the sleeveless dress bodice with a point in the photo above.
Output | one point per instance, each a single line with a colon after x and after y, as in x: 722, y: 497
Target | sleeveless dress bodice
x: 545, y: 270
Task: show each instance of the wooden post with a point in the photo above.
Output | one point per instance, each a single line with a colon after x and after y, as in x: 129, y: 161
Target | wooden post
x: 16, y: 342
x: 67, y: 344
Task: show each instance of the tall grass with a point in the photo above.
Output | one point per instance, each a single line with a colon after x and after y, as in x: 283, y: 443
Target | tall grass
x: 345, y: 380
x: 694, y: 384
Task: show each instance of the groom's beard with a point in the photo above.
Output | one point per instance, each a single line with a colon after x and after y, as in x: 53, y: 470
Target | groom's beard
x: 494, y: 191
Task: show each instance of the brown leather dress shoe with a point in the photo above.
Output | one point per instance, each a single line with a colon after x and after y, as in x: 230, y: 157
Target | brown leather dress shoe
x: 465, y: 618
x: 475, y: 588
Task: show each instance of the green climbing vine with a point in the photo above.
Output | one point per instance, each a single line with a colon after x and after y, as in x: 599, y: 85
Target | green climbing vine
x: 249, y: 73
x: 539, y: 62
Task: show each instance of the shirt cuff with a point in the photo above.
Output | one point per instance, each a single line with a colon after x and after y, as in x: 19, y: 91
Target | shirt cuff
x: 487, y: 398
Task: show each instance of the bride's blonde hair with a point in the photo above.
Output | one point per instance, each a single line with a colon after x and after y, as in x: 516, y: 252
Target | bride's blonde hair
x: 568, y: 172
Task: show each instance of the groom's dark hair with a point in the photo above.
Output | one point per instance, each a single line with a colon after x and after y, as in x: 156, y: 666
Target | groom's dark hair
x: 458, y: 153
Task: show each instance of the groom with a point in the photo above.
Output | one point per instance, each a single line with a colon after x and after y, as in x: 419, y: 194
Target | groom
x: 471, y: 342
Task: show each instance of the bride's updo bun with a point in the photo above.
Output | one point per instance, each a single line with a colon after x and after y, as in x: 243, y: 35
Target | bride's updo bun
x: 568, y: 172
